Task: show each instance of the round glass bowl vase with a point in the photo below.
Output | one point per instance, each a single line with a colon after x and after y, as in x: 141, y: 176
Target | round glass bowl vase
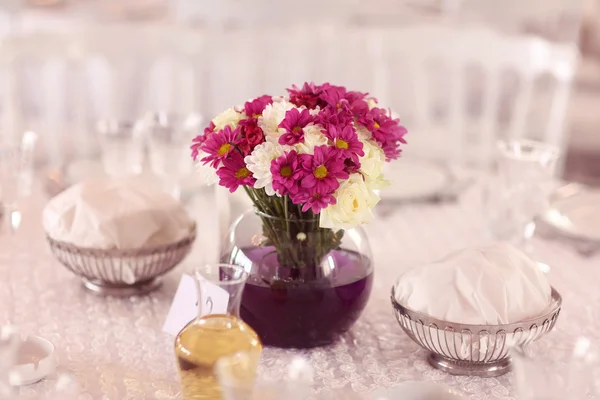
x: 307, y: 285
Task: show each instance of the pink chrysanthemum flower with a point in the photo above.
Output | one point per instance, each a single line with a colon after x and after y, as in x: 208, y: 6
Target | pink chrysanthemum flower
x: 334, y: 96
x: 196, y: 145
x: 287, y: 172
x: 351, y: 103
x: 353, y: 96
x: 209, y: 129
x: 386, y: 131
x: 308, y: 96
x: 358, y: 106
x: 392, y: 149
x: 234, y: 173
x: 255, y: 108
x: 345, y: 140
x: 199, y: 140
x: 333, y: 116
x: 219, y: 145
x: 293, y: 123
x: 323, y: 169
x: 315, y: 201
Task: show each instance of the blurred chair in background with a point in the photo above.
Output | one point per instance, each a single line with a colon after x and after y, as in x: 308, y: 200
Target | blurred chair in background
x: 458, y: 86
x: 453, y: 85
x: 462, y: 89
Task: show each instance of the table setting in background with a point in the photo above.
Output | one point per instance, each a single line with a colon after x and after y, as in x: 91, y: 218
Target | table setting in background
x: 309, y: 247
x: 296, y: 266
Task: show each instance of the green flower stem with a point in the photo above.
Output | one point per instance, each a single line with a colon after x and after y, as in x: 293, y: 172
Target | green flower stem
x: 295, y: 235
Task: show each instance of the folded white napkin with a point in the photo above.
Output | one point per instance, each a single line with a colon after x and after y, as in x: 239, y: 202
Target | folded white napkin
x: 490, y: 285
x: 121, y: 214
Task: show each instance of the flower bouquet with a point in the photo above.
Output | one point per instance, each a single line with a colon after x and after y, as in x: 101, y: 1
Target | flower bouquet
x: 311, y: 162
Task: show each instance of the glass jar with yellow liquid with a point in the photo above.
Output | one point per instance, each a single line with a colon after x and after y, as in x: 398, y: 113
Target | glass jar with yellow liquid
x: 217, y: 332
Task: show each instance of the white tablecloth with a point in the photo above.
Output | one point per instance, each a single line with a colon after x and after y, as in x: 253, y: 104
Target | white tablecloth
x: 116, y: 350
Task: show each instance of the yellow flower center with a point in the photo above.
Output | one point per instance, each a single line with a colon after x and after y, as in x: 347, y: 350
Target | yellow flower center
x: 285, y: 171
x: 256, y: 115
x: 376, y: 125
x: 341, y: 144
x: 320, y: 172
x: 354, y: 204
x: 242, y: 173
x: 296, y: 129
x: 338, y: 105
x: 224, y: 149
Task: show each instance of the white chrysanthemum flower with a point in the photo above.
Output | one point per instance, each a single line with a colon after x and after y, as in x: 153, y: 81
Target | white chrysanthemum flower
x: 362, y: 132
x: 312, y: 137
x: 372, y: 103
x: 228, y: 117
x: 272, y: 117
x: 354, y: 205
x: 259, y: 163
x: 207, y: 173
x: 371, y: 166
x: 378, y: 184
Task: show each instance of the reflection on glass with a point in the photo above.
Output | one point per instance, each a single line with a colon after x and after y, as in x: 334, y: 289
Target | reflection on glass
x: 518, y: 188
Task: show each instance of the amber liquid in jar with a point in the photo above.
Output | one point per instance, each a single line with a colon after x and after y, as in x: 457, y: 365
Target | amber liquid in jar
x: 201, y: 344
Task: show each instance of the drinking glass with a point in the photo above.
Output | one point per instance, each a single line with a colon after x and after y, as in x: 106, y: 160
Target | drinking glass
x: 169, y: 138
x: 296, y: 383
x: 122, y: 146
x: 565, y: 370
x: 16, y: 175
x: 518, y: 188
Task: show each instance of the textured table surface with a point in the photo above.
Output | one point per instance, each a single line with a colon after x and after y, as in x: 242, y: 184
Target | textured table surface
x: 115, y: 348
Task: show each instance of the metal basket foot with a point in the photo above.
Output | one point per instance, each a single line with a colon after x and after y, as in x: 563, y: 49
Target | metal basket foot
x: 484, y: 370
x: 122, y: 290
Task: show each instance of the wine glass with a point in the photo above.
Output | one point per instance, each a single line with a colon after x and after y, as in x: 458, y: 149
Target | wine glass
x: 16, y: 175
x: 122, y: 146
x: 518, y: 188
x: 169, y: 137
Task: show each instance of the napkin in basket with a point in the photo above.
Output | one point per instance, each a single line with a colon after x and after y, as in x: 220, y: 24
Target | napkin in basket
x: 489, y: 285
x: 116, y: 214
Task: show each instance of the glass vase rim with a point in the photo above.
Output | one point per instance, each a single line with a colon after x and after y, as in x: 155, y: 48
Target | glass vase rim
x: 238, y: 281
x: 278, y: 218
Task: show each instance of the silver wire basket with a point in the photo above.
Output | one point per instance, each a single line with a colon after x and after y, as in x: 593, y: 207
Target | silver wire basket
x: 480, y: 350
x: 122, y: 272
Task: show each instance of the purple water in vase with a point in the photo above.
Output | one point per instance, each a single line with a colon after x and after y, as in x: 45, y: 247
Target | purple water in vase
x: 305, y: 307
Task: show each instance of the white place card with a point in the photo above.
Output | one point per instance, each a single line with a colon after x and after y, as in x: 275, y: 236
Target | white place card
x: 184, y: 307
